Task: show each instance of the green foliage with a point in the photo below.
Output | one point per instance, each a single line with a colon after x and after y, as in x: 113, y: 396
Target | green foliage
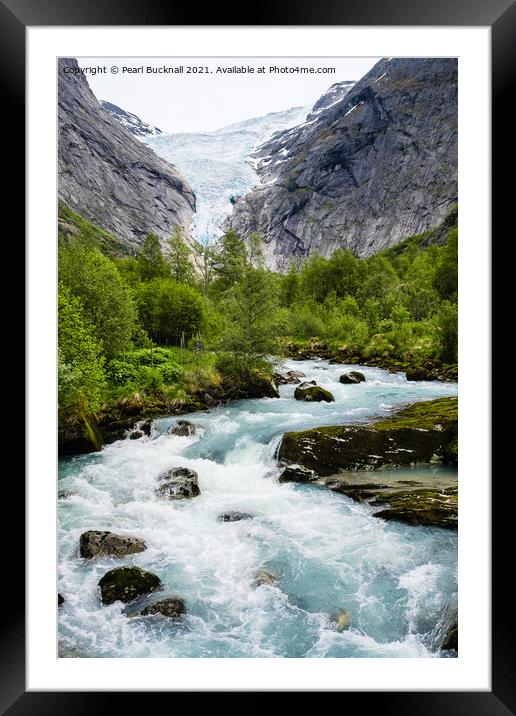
x: 230, y: 261
x: 169, y: 310
x: 398, y: 302
x: 80, y: 361
x: 105, y: 298
x: 181, y: 268
x: 448, y: 328
x: 151, y: 262
x: 445, y: 278
x: 250, y: 317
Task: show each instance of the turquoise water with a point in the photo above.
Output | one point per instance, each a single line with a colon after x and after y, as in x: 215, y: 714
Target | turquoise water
x: 327, y: 551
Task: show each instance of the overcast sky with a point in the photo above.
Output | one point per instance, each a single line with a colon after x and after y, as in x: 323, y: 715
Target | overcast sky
x: 207, y: 101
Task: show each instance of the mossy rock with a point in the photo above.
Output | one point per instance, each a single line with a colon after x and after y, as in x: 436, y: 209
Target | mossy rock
x: 427, y: 507
x: 422, y: 433
x: 313, y: 393
x: 126, y: 583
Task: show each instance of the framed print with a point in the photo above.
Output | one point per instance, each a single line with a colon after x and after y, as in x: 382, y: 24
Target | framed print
x: 258, y: 271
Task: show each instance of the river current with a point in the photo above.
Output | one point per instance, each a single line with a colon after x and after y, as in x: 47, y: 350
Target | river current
x: 327, y: 551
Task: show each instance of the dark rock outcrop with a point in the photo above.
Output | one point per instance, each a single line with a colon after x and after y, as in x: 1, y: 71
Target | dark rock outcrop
x: 108, y: 176
x: 183, y: 428
x: 313, y: 393
x: 451, y: 638
x: 419, y: 373
x: 173, y: 607
x: 126, y: 583
x: 298, y: 473
x: 422, y: 433
x: 354, y: 376
x: 234, y: 516
x: 78, y: 435
x: 60, y: 600
x: 363, y: 173
x: 180, y: 483
x: 135, y: 435
x: 96, y: 543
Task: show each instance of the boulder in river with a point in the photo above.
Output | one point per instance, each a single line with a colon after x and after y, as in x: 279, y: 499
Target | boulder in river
x: 146, y: 427
x: 234, y: 516
x: 96, y: 543
x: 126, y: 583
x: 352, y: 377
x: 341, y: 619
x: 183, y: 428
x: 264, y: 577
x: 416, y: 373
x: 172, y: 607
x: 425, y: 432
x: 313, y: 393
x: 136, y: 435
x: 285, y: 379
x: 64, y: 494
x: 298, y: 473
x: 179, y: 483
x: 60, y: 599
x: 296, y: 374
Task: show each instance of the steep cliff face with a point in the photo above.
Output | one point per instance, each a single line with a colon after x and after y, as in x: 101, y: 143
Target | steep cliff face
x: 364, y: 172
x: 108, y: 176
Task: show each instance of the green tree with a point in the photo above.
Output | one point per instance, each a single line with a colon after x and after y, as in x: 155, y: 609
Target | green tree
x: 181, y: 268
x: 151, y: 262
x: 81, y: 377
x: 231, y: 260
x: 446, y: 274
x: 106, y: 299
x: 255, y: 250
x: 250, y: 332
x: 447, y: 324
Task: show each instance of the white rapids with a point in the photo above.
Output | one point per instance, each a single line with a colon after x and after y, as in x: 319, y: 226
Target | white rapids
x: 327, y: 551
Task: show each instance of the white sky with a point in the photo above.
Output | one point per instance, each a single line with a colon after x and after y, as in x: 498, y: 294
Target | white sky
x: 208, y: 101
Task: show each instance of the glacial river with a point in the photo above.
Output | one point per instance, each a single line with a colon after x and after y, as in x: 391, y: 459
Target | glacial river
x: 327, y: 551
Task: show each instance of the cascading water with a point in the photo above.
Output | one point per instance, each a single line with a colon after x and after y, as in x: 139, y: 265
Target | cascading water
x: 327, y: 551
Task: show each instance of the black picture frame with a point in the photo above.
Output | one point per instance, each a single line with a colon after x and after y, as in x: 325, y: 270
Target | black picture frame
x: 500, y: 16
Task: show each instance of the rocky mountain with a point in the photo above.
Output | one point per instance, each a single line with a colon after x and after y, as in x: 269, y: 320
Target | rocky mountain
x: 130, y: 121
x: 364, y: 172
x: 108, y: 176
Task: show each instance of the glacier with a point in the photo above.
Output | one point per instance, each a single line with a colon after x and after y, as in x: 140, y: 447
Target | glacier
x: 217, y: 163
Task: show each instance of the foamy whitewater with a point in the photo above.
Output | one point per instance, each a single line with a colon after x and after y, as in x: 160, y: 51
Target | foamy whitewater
x: 327, y: 551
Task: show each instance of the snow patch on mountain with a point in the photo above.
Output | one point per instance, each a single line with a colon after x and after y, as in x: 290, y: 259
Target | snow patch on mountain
x: 130, y: 121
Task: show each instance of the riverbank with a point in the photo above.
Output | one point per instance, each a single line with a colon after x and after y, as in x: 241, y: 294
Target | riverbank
x: 416, y: 367
x: 82, y: 434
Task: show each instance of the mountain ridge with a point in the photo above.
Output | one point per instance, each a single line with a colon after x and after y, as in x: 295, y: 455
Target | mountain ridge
x: 376, y: 166
x: 110, y: 177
